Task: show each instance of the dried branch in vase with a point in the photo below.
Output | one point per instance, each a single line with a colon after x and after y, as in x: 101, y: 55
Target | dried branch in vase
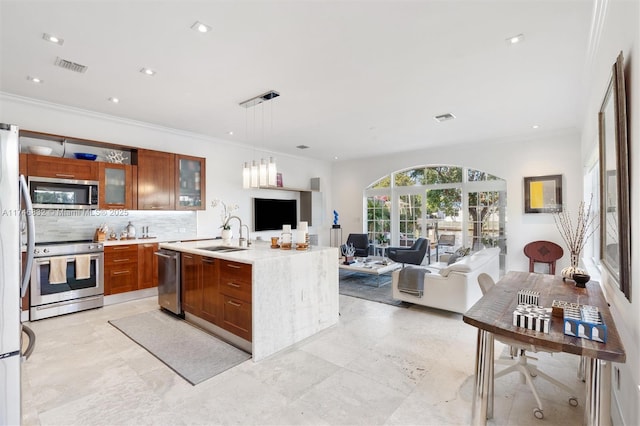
x: 576, y: 234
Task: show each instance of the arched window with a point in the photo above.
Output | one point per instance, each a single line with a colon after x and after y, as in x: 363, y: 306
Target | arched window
x: 430, y: 201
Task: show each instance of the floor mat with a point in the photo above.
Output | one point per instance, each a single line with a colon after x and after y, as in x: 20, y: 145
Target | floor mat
x: 189, y: 351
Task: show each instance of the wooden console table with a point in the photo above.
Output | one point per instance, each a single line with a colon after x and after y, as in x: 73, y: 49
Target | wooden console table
x: 493, y: 315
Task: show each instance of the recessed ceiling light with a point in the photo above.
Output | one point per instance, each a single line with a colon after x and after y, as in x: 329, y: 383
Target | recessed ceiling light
x: 53, y: 39
x: 335, y: 157
x: 516, y: 39
x: 147, y: 71
x: 230, y: 133
x: 444, y: 117
x: 34, y: 79
x: 200, y: 27
x: 535, y: 126
x: 114, y: 100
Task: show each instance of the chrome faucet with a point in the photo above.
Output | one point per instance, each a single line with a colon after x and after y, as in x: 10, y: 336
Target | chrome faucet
x: 248, y: 236
x: 241, y: 239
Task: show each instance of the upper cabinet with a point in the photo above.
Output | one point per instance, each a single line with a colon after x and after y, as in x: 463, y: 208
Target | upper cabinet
x: 156, y: 180
x: 170, y: 181
x: 64, y: 168
x: 116, y: 186
x: 190, y: 183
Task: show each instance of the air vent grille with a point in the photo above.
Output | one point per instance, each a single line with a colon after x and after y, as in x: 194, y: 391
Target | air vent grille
x: 444, y: 117
x: 69, y: 65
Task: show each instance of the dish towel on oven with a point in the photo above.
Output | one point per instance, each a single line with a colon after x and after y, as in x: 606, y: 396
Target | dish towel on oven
x: 83, y: 266
x: 58, y: 270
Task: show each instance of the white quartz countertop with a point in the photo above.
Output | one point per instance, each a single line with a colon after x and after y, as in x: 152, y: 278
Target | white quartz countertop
x: 257, y: 251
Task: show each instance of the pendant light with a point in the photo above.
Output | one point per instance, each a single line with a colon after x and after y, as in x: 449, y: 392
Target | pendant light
x: 264, y: 174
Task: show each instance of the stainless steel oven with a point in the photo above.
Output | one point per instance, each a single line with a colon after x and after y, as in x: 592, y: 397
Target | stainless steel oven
x: 79, y: 278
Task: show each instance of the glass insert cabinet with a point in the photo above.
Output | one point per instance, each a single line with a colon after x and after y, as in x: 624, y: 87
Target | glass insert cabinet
x: 116, y: 186
x: 190, y: 183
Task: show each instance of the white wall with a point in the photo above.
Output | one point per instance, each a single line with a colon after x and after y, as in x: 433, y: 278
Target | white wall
x: 224, y: 158
x: 547, y: 155
x: 620, y: 33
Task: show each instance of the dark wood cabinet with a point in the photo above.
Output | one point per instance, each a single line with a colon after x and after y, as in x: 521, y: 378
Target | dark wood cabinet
x: 120, y: 269
x: 210, y: 282
x: 147, y: 265
x: 200, y: 286
x: 235, y: 295
x: 156, y: 180
x: 64, y: 168
x: 22, y: 165
x: 218, y: 291
x: 116, y: 186
x: 191, y: 284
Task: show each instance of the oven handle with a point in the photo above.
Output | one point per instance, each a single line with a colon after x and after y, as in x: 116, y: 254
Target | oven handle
x: 31, y: 235
x: 45, y: 260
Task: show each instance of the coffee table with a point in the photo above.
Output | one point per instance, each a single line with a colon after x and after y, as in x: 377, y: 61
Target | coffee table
x: 373, y: 265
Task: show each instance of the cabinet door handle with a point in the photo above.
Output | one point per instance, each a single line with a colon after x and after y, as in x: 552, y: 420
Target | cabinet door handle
x: 207, y: 260
x: 233, y: 266
x: 187, y: 256
x: 121, y: 248
x: 64, y: 175
x: 233, y: 285
x: 121, y: 272
x: 120, y: 260
x: 234, y: 304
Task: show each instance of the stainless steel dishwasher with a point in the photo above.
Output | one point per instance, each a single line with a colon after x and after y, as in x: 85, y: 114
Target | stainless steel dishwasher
x: 169, y: 281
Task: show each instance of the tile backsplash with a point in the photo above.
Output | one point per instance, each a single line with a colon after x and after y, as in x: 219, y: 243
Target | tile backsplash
x: 69, y: 225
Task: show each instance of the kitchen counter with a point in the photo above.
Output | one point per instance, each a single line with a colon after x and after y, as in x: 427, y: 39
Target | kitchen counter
x: 294, y: 293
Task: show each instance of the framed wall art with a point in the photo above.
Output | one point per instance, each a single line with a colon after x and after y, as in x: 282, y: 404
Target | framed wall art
x: 615, y: 226
x: 543, y: 194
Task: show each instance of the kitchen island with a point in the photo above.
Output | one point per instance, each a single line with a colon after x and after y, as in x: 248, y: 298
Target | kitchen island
x: 290, y: 294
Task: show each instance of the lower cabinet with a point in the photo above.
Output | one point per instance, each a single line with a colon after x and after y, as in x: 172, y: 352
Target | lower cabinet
x: 130, y: 267
x: 191, y: 284
x: 235, y: 295
x: 147, y: 265
x: 120, y: 269
x: 218, y: 291
x: 200, y: 286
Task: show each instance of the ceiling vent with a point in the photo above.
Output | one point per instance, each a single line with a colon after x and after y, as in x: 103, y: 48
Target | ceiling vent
x: 302, y: 147
x: 71, y: 66
x: 444, y: 117
x: 260, y: 99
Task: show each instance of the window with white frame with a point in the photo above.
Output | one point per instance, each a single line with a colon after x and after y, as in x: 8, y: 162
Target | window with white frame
x: 432, y: 200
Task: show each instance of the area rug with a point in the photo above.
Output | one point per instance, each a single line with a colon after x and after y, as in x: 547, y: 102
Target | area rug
x: 189, y: 351
x: 368, y: 287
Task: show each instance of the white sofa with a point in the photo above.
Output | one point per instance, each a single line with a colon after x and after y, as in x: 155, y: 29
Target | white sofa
x: 454, y: 287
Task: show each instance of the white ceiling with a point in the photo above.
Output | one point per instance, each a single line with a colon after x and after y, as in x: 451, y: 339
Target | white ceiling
x: 355, y: 77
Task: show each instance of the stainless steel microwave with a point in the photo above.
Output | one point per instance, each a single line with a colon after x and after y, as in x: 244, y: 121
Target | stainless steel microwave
x: 56, y: 193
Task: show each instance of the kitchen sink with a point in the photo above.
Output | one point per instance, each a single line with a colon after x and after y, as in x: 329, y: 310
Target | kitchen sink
x: 222, y: 249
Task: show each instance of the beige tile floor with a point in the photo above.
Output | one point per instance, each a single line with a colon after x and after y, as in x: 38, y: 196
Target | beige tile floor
x: 379, y: 365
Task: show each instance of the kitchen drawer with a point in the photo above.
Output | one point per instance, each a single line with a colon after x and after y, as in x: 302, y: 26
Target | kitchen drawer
x: 120, y: 255
x: 234, y: 271
x: 65, y: 168
x: 236, y: 317
x: 235, y: 288
x: 120, y: 279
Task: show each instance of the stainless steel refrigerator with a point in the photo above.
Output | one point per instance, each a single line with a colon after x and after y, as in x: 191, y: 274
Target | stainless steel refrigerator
x: 13, y: 278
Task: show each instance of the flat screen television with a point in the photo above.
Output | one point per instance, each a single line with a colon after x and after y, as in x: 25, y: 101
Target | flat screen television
x: 270, y: 214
